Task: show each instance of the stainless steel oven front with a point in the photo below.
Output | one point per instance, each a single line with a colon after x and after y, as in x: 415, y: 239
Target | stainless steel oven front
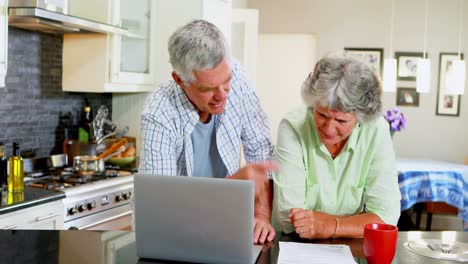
x: 117, y: 218
x: 103, y: 205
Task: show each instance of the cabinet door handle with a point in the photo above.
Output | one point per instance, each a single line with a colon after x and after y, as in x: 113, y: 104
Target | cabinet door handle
x: 10, y: 227
x: 47, y: 217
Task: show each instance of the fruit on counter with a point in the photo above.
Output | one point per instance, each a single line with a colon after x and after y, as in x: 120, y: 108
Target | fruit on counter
x: 129, y: 152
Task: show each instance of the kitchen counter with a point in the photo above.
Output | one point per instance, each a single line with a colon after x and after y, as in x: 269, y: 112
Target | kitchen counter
x: 30, y: 197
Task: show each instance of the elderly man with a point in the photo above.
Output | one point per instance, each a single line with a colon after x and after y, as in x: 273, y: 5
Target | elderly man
x: 195, y: 123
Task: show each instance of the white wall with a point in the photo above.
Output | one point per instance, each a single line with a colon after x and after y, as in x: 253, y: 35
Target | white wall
x: 278, y: 86
x: 244, y: 40
x: 239, y: 3
x: 366, y: 23
x: 126, y: 111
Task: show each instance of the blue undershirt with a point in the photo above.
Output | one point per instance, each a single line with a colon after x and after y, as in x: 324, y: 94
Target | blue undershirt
x: 206, y: 159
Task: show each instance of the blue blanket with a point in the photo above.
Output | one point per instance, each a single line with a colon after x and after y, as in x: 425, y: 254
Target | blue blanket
x: 434, y: 186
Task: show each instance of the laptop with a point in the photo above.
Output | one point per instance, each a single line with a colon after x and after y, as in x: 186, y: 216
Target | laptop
x: 194, y: 219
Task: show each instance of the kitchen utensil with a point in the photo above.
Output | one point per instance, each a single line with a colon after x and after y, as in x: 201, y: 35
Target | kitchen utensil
x: 45, y: 163
x: 87, y: 165
x: 90, y: 165
x: 122, y: 132
x: 113, y: 148
x: 118, y: 134
x: 99, y: 120
x: 76, y: 148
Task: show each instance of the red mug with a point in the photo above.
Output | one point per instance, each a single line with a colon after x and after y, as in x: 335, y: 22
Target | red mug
x: 380, y: 242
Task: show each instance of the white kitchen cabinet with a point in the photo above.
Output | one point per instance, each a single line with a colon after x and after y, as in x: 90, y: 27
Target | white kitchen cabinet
x: 111, y: 63
x: 3, y: 41
x: 48, y: 216
x: 172, y: 14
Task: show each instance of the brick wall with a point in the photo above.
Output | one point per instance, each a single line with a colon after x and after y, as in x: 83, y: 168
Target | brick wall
x: 31, y: 103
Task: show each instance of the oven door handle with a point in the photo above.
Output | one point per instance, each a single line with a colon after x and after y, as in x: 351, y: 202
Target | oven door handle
x: 47, y: 217
x: 107, y: 219
x: 10, y: 227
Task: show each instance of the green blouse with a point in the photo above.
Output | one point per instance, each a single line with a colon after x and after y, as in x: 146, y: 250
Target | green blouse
x: 362, y: 177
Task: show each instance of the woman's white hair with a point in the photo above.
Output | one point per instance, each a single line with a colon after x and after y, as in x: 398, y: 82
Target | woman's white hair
x: 346, y: 85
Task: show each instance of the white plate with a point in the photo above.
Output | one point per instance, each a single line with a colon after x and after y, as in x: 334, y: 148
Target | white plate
x: 436, y: 248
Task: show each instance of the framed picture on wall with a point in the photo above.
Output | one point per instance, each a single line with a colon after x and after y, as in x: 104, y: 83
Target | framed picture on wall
x: 372, y: 56
x: 407, y: 65
x: 407, y: 96
x: 447, y: 104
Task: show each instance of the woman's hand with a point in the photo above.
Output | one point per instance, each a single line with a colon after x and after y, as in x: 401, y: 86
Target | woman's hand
x: 312, y: 225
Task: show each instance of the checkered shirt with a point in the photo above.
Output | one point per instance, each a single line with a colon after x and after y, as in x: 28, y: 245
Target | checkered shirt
x: 169, y: 118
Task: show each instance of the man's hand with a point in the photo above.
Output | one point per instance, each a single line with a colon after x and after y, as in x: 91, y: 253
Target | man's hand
x: 256, y: 172
x: 263, y: 230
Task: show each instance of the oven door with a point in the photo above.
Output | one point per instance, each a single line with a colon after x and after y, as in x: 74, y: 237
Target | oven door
x: 117, y: 218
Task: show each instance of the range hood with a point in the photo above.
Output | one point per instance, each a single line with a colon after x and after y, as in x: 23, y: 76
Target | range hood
x: 32, y: 16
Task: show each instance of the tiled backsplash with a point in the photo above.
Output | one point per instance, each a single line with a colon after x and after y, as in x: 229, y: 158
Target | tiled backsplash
x: 32, y: 100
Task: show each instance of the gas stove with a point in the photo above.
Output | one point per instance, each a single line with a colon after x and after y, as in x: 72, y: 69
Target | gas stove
x: 62, y: 178
x: 92, y: 202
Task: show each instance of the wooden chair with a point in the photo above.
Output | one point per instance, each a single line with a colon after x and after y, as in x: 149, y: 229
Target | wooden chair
x: 433, y: 208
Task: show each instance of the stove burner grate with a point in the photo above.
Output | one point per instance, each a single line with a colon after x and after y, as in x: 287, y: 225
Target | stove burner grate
x: 59, y: 179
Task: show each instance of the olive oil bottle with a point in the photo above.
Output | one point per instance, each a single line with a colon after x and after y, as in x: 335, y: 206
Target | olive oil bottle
x: 14, y: 197
x: 16, y: 171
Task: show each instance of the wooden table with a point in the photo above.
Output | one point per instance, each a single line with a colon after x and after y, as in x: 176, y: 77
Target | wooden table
x: 27, y: 246
x: 402, y: 255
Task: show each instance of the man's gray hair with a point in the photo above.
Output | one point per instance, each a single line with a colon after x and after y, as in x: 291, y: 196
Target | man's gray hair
x: 346, y: 85
x: 198, y: 45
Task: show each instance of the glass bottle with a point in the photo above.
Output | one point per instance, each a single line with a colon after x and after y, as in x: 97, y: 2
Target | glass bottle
x: 85, y: 129
x: 16, y: 171
x: 3, y: 169
x: 14, y: 197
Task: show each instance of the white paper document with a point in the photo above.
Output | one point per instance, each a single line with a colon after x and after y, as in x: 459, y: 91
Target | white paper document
x: 292, y: 252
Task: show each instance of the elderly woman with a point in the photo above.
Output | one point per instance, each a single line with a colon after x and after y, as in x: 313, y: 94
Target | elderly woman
x: 337, y: 159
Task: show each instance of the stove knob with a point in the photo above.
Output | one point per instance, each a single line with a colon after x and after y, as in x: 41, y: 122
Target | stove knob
x: 118, y: 198
x: 125, y: 196
x: 81, y: 208
x: 72, y: 211
x: 91, y: 205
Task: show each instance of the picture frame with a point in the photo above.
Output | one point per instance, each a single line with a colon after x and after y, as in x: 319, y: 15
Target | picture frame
x: 407, y: 96
x: 447, y: 104
x: 372, y: 56
x: 407, y: 65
